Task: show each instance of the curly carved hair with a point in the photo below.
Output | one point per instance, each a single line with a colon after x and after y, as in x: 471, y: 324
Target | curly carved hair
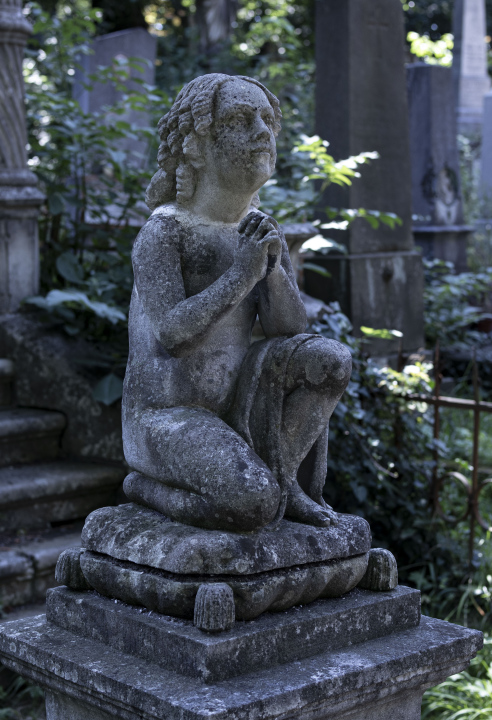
x: 190, y: 117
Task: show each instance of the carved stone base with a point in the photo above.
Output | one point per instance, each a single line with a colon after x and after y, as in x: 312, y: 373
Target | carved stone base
x: 141, y: 557
x: 348, y: 675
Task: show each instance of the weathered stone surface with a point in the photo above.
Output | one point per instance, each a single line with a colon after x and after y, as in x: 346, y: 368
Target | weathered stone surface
x: 381, y: 573
x: 27, y: 435
x: 354, y: 683
x: 145, y: 537
x: 253, y: 594
x: 68, y: 570
x: 50, y: 377
x: 241, y: 418
x: 36, y: 495
x: 214, y: 608
x: 270, y: 640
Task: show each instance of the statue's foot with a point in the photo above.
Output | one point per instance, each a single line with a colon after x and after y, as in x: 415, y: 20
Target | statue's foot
x: 301, y: 508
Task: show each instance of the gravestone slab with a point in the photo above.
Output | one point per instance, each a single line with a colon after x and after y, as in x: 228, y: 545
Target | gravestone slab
x: 471, y: 80
x: 438, y: 223
x: 361, y: 106
x: 108, y: 49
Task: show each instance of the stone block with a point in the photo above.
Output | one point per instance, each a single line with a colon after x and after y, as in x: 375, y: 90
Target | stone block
x: 268, y: 641
x: 382, y: 290
x: 376, y: 679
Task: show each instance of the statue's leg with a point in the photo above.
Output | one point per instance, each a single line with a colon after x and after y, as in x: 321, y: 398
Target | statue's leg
x: 316, y: 378
x: 195, y: 469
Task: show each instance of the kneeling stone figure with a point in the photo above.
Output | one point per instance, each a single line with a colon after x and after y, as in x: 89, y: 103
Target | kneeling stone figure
x: 227, y: 440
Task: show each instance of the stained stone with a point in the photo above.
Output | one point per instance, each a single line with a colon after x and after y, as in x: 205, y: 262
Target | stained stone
x: 147, y: 538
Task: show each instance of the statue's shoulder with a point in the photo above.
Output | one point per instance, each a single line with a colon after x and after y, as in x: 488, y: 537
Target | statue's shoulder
x: 160, y: 228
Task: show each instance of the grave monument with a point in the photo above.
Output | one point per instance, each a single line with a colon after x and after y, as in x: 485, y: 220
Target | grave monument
x: 471, y: 79
x: 438, y: 224
x: 227, y: 586
x: 20, y: 199
x: 361, y: 106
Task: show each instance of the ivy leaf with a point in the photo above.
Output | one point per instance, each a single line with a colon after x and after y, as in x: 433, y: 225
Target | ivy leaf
x: 69, y: 268
x: 382, y: 334
x: 108, y: 390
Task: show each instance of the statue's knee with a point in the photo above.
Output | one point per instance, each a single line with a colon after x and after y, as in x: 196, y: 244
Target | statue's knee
x: 256, y: 503
x: 325, y: 364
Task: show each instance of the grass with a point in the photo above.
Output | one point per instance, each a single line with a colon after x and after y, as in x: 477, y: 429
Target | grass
x: 466, y: 696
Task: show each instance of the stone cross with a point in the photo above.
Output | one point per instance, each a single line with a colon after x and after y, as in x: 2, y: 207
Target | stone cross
x: 19, y: 198
x: 471, y: 80
x: 361, y: 105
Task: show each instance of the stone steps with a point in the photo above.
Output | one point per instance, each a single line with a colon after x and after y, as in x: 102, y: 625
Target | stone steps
x: 43, y: 498
x: 27, y: 569
x: 27, y: 435
x: 47, y: 493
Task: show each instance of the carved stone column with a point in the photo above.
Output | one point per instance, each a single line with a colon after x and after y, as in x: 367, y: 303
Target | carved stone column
x: 20, y: 199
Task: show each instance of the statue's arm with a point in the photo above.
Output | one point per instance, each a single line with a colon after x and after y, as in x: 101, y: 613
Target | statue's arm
x: 280, y: 308
x: 180, y: 323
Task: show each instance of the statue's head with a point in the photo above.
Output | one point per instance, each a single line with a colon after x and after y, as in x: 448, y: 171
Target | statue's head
x: 228, y: 122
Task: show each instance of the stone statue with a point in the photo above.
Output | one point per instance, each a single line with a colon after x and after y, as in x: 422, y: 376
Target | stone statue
x: 226, y: 439
x: 223, y: 434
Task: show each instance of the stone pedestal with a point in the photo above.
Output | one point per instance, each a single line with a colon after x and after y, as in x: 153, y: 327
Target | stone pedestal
x: 19, y: 198
x: 364, y: 656
x: 361, y: 105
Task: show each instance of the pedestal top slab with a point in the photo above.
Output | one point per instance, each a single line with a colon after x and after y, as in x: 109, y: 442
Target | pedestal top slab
x: 328, y: 685
x: 136, y: 534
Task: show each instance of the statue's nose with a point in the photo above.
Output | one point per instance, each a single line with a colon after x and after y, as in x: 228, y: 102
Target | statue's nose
x: 261, y: 129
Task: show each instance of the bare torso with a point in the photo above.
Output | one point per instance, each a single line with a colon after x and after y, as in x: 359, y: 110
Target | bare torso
x: 206, y: 375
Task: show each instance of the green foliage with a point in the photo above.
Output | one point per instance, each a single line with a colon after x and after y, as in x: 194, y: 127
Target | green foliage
x: 312, y: 170
x: 466, y: 696
x: 448, y: 309
x: 94, y: 179
x: 21, y: 700
x: 433, y: 52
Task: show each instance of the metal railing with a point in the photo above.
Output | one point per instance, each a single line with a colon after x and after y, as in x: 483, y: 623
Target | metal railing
x: 473, y: 486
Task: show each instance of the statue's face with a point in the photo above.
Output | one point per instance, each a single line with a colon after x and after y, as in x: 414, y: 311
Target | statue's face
x: 242, y: 144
